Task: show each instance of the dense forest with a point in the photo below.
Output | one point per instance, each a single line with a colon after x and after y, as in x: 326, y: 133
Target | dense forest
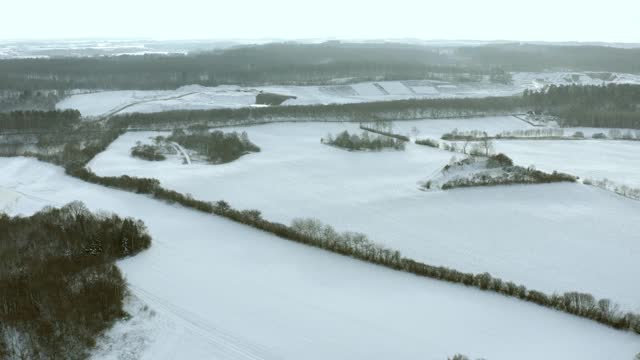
x: 593, y: 106
x: 59, y: 286
x: 291, y: 63
x: 38, y: 120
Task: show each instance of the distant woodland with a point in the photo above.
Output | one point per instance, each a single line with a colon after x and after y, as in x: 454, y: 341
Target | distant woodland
x: 592, y: 106
x: 327, y: 63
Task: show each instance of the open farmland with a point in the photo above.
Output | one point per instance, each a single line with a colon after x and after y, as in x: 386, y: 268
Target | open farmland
x: 309, y: 301
x: 546, y: 236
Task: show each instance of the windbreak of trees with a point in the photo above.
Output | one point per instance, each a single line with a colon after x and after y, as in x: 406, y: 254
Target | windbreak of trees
x: 312, y: 232
x: 38, y: 120
x: 364, y: 112
x: 363, y: 142
x: 218, y: 147
x: 59, y: 286
x: 613, y: 105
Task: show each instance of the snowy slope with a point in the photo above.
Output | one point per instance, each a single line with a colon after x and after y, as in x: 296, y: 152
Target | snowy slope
x: 224, y: 291
x: 103, y: 103
x: 556, y: 237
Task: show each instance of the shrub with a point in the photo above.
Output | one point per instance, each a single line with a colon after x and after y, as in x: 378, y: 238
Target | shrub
x: 428, y: 142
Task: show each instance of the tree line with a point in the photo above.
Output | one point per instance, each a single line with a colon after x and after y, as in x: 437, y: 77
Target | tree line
x: 362, y: 112
x: 59, y: 286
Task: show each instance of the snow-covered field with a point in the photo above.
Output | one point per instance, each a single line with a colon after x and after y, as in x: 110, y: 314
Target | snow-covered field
x: 555, y: 237
x: 196, y: 97
x: 597, y: 159
x: 219, y: 290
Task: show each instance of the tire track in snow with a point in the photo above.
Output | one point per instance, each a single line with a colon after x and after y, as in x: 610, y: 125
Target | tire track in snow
x: 180, y: 149
x: 123, y: 107
x: 231, y: 347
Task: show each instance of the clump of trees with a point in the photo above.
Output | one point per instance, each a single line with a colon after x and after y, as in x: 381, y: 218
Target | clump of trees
x: 499, y: 160
x: 363, y: 142
x: 428, y: 142
x: 218, y: 147
x: 59, y: 286
x: 147, y: 152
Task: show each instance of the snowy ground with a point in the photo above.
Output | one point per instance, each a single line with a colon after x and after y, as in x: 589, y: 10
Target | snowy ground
x: 555, y: 237
x: 217, y: 289
x: 597, y: 159
x: 196, y: 97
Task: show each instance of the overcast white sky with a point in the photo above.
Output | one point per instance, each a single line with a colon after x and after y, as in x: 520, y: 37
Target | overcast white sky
x: 545, y: 20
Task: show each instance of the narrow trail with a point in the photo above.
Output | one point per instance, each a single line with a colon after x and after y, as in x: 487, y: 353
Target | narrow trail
x: 226, y: 345
x: 123, y: 107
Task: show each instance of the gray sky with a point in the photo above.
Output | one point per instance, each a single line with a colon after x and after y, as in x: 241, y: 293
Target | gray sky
x: 544, y: 20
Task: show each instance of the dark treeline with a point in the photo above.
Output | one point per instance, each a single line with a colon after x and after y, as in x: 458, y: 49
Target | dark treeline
x: 59, y: 286
x: 38, y: 120
x: 613, y: 105
x: 532, y: 57
x: 363, y: 142
x: 365, y: 112
x: 309, y: 232
x: 218, y: 147
x: 18, y: 100
x: 290, y: 63
x: 380, y: 131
